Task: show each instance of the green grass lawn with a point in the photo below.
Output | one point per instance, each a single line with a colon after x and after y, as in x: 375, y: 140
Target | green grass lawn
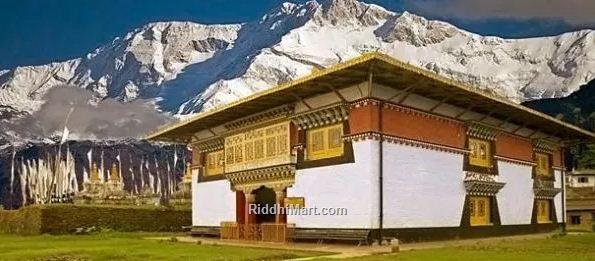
x: 570, y: 247
x: 133, y: 246
x: 126, y: 246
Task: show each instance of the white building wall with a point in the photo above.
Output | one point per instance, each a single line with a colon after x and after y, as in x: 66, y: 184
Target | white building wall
x: 558, y: 200
x: 422, y: 188
x: 212, y: 203
x: 515, y: 200
x: 575, y: 184
x: 353, y: 186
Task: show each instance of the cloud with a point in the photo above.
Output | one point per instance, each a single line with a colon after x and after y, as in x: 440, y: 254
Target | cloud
x: 90, y: 119
x: 574, y: 12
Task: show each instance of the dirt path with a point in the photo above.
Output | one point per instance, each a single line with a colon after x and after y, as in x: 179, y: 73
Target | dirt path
x: 346, y: 251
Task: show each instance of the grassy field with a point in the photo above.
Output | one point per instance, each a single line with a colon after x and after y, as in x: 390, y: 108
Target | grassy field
x: 570, y: 247
x: 125, y: 246
x: 133, y: 246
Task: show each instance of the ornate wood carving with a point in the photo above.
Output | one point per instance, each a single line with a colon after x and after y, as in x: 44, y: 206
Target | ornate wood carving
x: 480, y: 184
x: 320, y: 117
x: 544, y: 146
x: 481, y: 131
x: 544, y: 189
x: 365, y: 102
x: 276, y: 178
x: 257, y: 148
x: 209, y: 145
x: 276, y: 113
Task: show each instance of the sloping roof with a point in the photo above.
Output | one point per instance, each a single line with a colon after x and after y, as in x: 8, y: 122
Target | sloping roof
x: 583, y: 172
x: 387, y: 71
x: 580, y: 204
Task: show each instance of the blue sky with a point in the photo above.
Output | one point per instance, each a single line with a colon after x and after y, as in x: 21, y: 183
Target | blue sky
x: 38, y: 32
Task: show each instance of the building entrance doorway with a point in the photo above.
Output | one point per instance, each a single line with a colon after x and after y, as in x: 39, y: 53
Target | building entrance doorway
x: 265, y: 199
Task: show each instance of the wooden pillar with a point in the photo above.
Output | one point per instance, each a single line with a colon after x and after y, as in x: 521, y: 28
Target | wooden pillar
x: 250, y: 218
x: 280, y: 198
x: 240, y: 208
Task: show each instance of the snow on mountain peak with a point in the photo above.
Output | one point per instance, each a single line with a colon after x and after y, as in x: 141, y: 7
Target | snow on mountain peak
x: 186, y: 67
x: 350, y: 13
x: 415, y: 30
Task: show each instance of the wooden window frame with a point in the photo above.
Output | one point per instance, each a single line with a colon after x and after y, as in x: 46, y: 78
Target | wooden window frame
x: 214, y: 163
x: 326, y: 151
x: 576, y: 218
x: 346, y: 157
x: 544, y: 211
x: 538, y: 172
x: 474, y: 203
x: 488, y: 167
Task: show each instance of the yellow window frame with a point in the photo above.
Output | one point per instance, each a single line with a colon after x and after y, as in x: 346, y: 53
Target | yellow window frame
x: 543, y: 165
x: 324, y: 142
x: 544, y: 209
x: 480, y: 211
x: 214, y: 163
x: 481, y: 153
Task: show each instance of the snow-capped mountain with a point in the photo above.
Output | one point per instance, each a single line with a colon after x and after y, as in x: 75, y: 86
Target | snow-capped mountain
x: 186, y: 67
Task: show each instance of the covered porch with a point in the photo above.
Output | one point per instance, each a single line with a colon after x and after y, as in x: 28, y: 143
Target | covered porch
x: 260, y: 205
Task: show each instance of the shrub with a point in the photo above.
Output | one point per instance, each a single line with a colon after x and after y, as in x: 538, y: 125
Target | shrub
x: 62, y: 219
x: 25, y: 221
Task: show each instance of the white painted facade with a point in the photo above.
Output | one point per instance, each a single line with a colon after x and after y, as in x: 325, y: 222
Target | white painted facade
x: 422, y: 188
x: 353, y: 186
x: 558, y: 200
x: 212, y: 203
x: 516, y: 198
x: 407, y: 176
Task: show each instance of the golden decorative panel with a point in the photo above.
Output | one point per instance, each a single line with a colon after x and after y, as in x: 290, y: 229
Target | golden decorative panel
x: 481, y: 153
x: 257, y: 148
x: 543, y: 211
x: 479, y: 211
x: 324, y: 142
x: 215, y: 163
x: 543, y: 165
x: 294, y: 202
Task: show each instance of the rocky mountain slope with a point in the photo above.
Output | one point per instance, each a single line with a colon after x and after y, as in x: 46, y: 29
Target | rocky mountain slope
x: 577, y: 108
x: 185, y: 67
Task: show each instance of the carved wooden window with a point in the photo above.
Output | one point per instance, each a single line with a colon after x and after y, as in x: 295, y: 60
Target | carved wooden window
x: 249, y: 153
x: 479, y: 211
x: 229, y: 155
x: 334, y: 135
x: 214, y: 163
x: 543, y: 211
x: 258, y: 149
x: 317, y: 142
x: 324, y: 142
x: 238, y: 153
x: 542, y: 165
x: 481, y: 153
x: 271, y: 146
x: 282, y: 146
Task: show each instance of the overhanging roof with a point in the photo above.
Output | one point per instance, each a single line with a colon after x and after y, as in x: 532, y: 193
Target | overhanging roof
x: 387, y: 71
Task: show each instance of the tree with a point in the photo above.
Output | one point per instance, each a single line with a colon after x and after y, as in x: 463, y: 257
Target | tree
x: 586, y: 159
